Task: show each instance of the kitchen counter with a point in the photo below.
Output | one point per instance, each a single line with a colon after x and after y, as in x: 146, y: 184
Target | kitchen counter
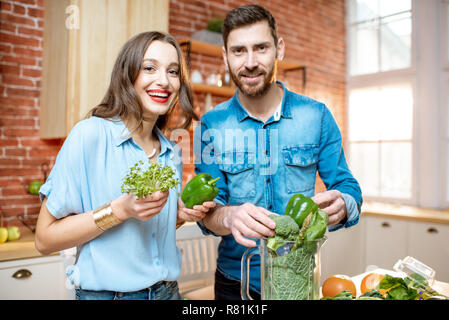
x: 405, y: 212
x: 21, y: 248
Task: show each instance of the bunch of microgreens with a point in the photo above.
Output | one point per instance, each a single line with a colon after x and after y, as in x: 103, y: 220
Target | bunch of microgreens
x: 143, y: 182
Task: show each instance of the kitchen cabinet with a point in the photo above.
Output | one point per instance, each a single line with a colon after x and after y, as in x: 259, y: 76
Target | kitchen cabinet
x: 429, y: 243
x: 385, y: 241
x: 39, y: 278
x: 342, y: 253
x: 82, y: 39
x: 380, y: 240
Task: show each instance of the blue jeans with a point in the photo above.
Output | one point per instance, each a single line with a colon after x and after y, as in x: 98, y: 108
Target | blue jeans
x: 162, y: 290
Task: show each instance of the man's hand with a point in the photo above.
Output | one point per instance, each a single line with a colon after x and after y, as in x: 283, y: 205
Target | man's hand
x: 333, y: 204
x: 247, y: 220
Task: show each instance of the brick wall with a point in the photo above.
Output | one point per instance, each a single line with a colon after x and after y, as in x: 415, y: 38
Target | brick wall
x: 22, y: 153
x: 313, y: 31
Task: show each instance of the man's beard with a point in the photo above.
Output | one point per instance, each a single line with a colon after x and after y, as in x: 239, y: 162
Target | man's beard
x: 257, y: 90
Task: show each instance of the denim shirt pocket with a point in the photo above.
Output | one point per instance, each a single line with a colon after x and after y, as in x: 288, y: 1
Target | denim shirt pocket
x: 300, y: 167
x: 238, y: 167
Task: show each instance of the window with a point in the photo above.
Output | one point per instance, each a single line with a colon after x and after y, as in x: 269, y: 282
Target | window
x: 380, y: 32
x: 380, y: 145
x: 398, y: 101
x: 380, y: 103
x: 445, y: 94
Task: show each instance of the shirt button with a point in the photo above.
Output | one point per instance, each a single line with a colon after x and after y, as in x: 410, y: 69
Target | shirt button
x: 270, y: 207
x: 268, y: 180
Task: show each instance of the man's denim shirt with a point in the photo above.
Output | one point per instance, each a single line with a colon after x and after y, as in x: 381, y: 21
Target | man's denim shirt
x: 266, y: 163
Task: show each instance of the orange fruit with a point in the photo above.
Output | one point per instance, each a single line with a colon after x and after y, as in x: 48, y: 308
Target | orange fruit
x: 336, y: 284
x: 371, y: 281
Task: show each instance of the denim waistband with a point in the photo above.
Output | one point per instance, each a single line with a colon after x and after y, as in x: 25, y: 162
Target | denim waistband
x: 162, y: 290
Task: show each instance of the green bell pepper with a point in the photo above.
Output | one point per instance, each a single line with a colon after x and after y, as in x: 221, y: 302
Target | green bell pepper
x: 299, y: 207
x: 199, y: 189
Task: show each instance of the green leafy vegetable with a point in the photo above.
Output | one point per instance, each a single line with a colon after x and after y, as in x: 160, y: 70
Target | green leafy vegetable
x: 291, y: 276
x: 398, y: 289
x: 143, y: 181
x: 286, y: 230
x: 372, y: 294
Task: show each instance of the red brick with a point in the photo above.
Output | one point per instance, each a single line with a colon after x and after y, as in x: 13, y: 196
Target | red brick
x: 7, y: 27
x: 30, y: 31
x: 5, y: 6
x: 14, y: 102
x: 31, y: 2
x: 17, y: 81
x: 13, y: 182
x: 18, y: 9
x: 35, y: 141
x: 8, y: 142
x: 5, y: 48
x: 15, y: 152
x: 18, y: 40
x: 12, y: 211
x: 23, y: 92
x: 34, y: 73
x: 20, y: 196
x: 38, y: 13
x: 16, y: 19
x: 9, y: 69
x: 43, y: 152
x: 20, y: 51
x: 10, y: 132
x: 14, y: 172
x: 19, y: 60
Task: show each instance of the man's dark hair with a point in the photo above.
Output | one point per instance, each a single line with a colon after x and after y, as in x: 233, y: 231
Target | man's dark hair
x: 247, y: 15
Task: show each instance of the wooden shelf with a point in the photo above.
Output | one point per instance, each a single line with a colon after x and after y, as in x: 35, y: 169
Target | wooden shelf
x: 215, y: 90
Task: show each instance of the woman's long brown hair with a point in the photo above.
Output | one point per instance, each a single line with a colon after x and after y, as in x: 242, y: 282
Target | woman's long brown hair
x: 121, y: 98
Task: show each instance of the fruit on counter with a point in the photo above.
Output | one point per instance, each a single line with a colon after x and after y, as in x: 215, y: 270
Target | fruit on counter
x: 336, y: 284
x: 412, y: 287
x: 371, y: 281
x: 13, y: 233
x: 34, y: 187
x: 3, y: 234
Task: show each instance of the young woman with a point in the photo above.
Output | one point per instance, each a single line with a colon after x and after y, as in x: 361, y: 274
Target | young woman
x: 126, y: 246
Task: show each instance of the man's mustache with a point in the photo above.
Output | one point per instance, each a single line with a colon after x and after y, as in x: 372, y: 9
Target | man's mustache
x: 252, y: 73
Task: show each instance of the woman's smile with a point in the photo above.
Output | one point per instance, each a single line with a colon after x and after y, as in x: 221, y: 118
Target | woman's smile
x: 159, y: 95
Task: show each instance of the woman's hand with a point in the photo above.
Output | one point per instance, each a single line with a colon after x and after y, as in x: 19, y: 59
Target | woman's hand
x: 195, y: 214
x: 128, y: 206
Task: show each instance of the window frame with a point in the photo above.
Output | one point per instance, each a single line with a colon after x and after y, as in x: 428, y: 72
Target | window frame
x: 383, y: 78
x: 444, y: 98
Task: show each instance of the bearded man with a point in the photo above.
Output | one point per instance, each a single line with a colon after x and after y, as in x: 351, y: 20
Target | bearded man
x: 266, y: 144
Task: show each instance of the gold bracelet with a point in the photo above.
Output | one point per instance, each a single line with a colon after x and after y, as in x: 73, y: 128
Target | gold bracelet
x: 104, y: 217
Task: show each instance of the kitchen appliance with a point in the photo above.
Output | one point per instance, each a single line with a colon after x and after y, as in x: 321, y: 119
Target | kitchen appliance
x: 290, y: 273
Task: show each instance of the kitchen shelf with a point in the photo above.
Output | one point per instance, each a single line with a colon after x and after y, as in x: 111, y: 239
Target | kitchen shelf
x: 212, y: 50
x: 215, y: 90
